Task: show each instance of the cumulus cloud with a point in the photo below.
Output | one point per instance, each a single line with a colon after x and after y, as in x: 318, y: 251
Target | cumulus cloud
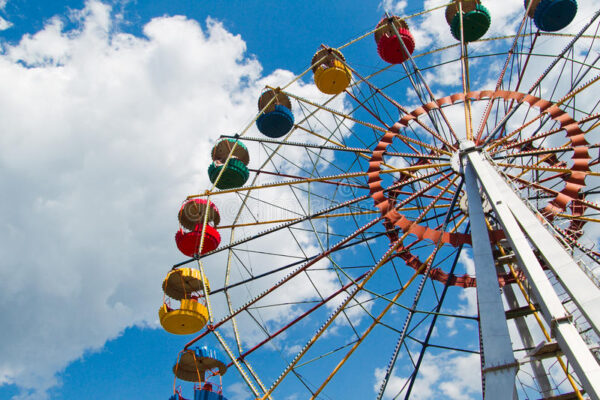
x: 4, y: 24
x: 238, y: 391
x: 103, y: 135
x: 469, y: 295
x: 393, y: 6
x: 442, y: 376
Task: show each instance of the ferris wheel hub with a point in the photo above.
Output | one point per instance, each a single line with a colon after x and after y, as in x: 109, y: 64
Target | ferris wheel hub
x: 465, y: 146
x: 485, y: 203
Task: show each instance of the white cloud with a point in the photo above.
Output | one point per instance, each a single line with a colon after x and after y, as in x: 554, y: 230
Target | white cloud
x: 293, y: 350
x: 104, y: 133
x: 394, y: 7
x: 238, y: 391
x: 443, y: 376
x: 469, y: 295
x: 4, y: 24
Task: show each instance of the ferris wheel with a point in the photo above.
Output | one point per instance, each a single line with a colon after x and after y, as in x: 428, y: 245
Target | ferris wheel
x: 426, y: 221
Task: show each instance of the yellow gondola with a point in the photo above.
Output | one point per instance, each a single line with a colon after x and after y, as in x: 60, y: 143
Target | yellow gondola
x: 332, y: 76
x: 186, y: 285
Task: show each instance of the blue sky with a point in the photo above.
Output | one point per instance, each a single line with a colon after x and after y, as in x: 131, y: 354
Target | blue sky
x: 110, y: 110
x: 137, y: 363
x: 274, y: 32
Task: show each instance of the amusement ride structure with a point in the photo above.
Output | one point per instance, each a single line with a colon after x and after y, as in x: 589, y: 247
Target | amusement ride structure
x: 387, y: 229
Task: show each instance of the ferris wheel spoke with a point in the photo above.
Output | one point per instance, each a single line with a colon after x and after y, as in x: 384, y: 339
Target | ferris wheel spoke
x: 362, y: 104
x: 493, y: 39
x: 424, y: 179
x: 379, y: 103
x: 329, y: 321
x: 424, y: 195
x: 431, y: 131
x: 578, y: 217
x: 402, y: 208
x: 464, y: 61
x: 569, y: 103
x: 339, y: 129
x: 427, y: 98
x: 340, y: 271
x: 545, y: 113
x: 546, y: 169
x: 584, y: 62
x: 296, y: 263
x: 339, y: 144
x: 409, y: 141
x: 525, y: 141
x: 265, y: 172
x: 294, y: 273
x: 571, y: 94
x: 334, y: 112
x: 553, y: 192
x: 490, y: 104
x: 385, y: 258
x: 589, y: 252
x: 340, y: 148
x: 383, y: 297
x: 278, y: 221
x: 245, y: 361
x: 434, y: 118
x: 371, y: 253
x: 316, y: 158
x: 544, y: 151
x: 406, y: 140
x: 277, y: 172
x: 377, y: 320
x: 535, y: 86
x: 428, y: 263
x: 565, y: 51
x: 323, y: 249
x: 325, y: 179
x: 437, y: 215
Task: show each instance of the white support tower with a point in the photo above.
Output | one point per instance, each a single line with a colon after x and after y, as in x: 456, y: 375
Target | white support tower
x: 527, y: 237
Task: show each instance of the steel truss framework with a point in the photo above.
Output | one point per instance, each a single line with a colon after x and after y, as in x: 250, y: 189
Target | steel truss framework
x: 349, y: 249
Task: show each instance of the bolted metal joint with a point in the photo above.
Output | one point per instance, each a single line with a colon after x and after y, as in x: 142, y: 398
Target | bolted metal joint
x: 499, y: 367
x: 555, y: 322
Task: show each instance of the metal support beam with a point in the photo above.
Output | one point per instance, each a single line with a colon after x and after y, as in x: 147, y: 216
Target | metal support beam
x: 582, y: 290
x: 509, y: 211
x: 500, y: 366
x: 522, y: 327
